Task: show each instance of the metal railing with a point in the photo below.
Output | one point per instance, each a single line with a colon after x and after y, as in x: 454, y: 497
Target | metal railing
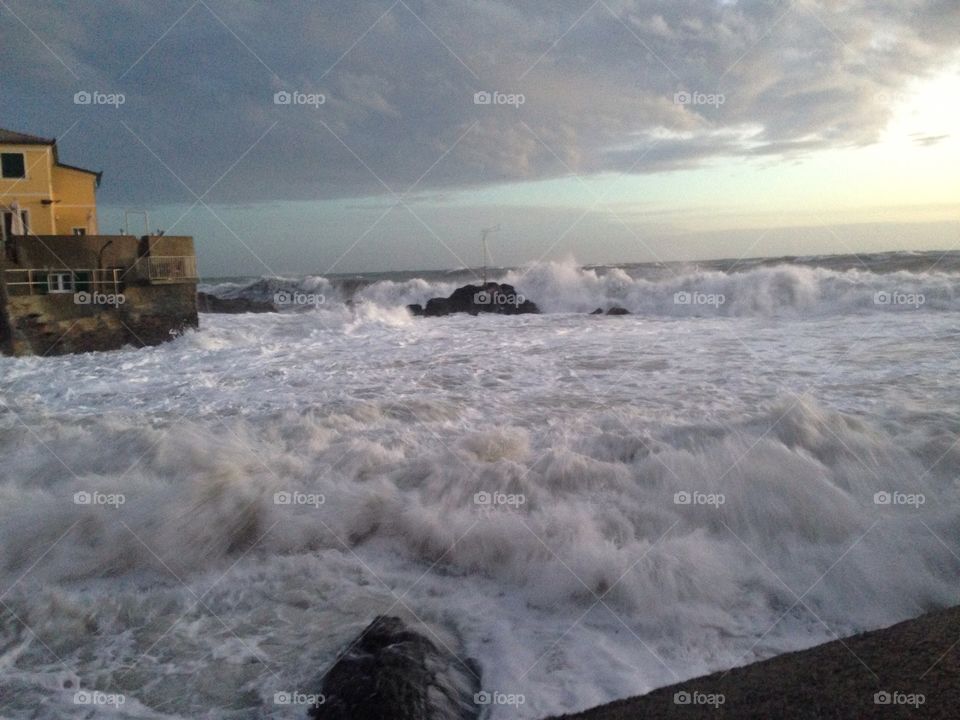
x: 172, y: 267
x: 57, y: 281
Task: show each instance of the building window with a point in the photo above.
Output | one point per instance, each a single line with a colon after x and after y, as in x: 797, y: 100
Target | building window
x: 79, y: 231
x: 12, y: 165
x: 60, y: 282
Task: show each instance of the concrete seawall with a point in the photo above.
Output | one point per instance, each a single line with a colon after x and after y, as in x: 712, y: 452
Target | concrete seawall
x: 65, y: 294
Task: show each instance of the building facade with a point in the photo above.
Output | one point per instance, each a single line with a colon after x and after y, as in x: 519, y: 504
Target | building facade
x: 40, y: 195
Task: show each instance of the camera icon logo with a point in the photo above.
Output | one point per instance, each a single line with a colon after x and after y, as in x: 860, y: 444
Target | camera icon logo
x: 82, y: 98
x: 682, y: 498
x: 482, y: 498
x: 482, y: 98
x: 282, y: 97
x: 482, y: 298
x: 282, y: 498
x: 882, y: 498
x: 682, y: 298
x: 681, y: 698
x: 882, y: 698
x: 482, y: 698
x: 881, y: 298
x: 282, y: 297
x: 82, y: 498
x: 682, y: 98
x: 81, y: 298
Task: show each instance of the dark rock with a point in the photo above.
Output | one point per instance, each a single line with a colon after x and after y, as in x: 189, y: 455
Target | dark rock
x: 617, y: 310
x: 914, y: 660
x: 208, y: 303
x: 416, y: 310
x: 390, y: 671
x: 493, y: 297
x: 598, y: 311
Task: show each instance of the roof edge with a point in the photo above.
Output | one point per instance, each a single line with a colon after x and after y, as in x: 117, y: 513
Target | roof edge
x: 12, y: 137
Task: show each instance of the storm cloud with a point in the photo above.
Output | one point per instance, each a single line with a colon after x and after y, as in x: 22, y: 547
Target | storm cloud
x: 250, y: 102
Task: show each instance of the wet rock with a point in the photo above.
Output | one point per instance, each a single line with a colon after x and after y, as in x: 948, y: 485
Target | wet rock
x: 416, y: 310
x: 391, y: 671
x: 493, y: 297
x: 598, y: 311
x: 617, y: 310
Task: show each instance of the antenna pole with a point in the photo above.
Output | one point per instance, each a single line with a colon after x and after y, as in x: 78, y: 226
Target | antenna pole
x: 483, y: 244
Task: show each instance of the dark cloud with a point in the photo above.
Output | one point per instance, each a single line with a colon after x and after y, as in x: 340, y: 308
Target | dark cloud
x: 624, y: 85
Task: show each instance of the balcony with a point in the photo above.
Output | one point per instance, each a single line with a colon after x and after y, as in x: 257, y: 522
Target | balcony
x: 61, y: 281
x: 170, y: 268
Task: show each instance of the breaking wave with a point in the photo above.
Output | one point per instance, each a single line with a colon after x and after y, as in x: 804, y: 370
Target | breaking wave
x: 603, y: 513
x: 770, y: 289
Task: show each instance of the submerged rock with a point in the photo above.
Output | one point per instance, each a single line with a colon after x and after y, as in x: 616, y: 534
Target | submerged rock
x: 493, y: 297
x: 598, y: 311
x: 390, y: 671
x: 617, y: 310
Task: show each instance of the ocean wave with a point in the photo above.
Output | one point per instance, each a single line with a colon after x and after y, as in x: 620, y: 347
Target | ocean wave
x: 596, y: 504
x: 753, y: 288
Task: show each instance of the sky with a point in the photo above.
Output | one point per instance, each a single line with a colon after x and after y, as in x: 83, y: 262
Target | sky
x: 296, y: 137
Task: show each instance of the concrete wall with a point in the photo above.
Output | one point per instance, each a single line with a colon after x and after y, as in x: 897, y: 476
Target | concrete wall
x: 56, y: 323
x: 75, y: 252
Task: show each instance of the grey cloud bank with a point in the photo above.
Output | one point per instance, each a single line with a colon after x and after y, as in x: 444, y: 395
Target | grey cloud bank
x: 606, y: 86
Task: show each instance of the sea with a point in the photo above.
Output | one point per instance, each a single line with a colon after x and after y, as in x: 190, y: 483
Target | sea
x: 762, y: 456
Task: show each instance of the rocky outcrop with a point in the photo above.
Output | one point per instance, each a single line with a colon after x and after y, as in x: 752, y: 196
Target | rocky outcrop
x: 498, y: 298
x: 208, y: 303
x: 390, y: 671
x: 613, y: 310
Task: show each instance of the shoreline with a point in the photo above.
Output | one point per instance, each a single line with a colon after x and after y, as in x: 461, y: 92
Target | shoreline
x: 913, y: 665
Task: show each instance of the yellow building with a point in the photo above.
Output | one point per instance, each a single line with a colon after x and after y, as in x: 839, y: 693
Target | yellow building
x: 39, y: 195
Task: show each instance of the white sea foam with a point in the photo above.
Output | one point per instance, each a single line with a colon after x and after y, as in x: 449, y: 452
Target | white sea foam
x: 659, y: 496
x: 679, y: 291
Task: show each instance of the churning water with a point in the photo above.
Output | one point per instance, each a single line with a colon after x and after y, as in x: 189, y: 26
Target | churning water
x: 754, y: 461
